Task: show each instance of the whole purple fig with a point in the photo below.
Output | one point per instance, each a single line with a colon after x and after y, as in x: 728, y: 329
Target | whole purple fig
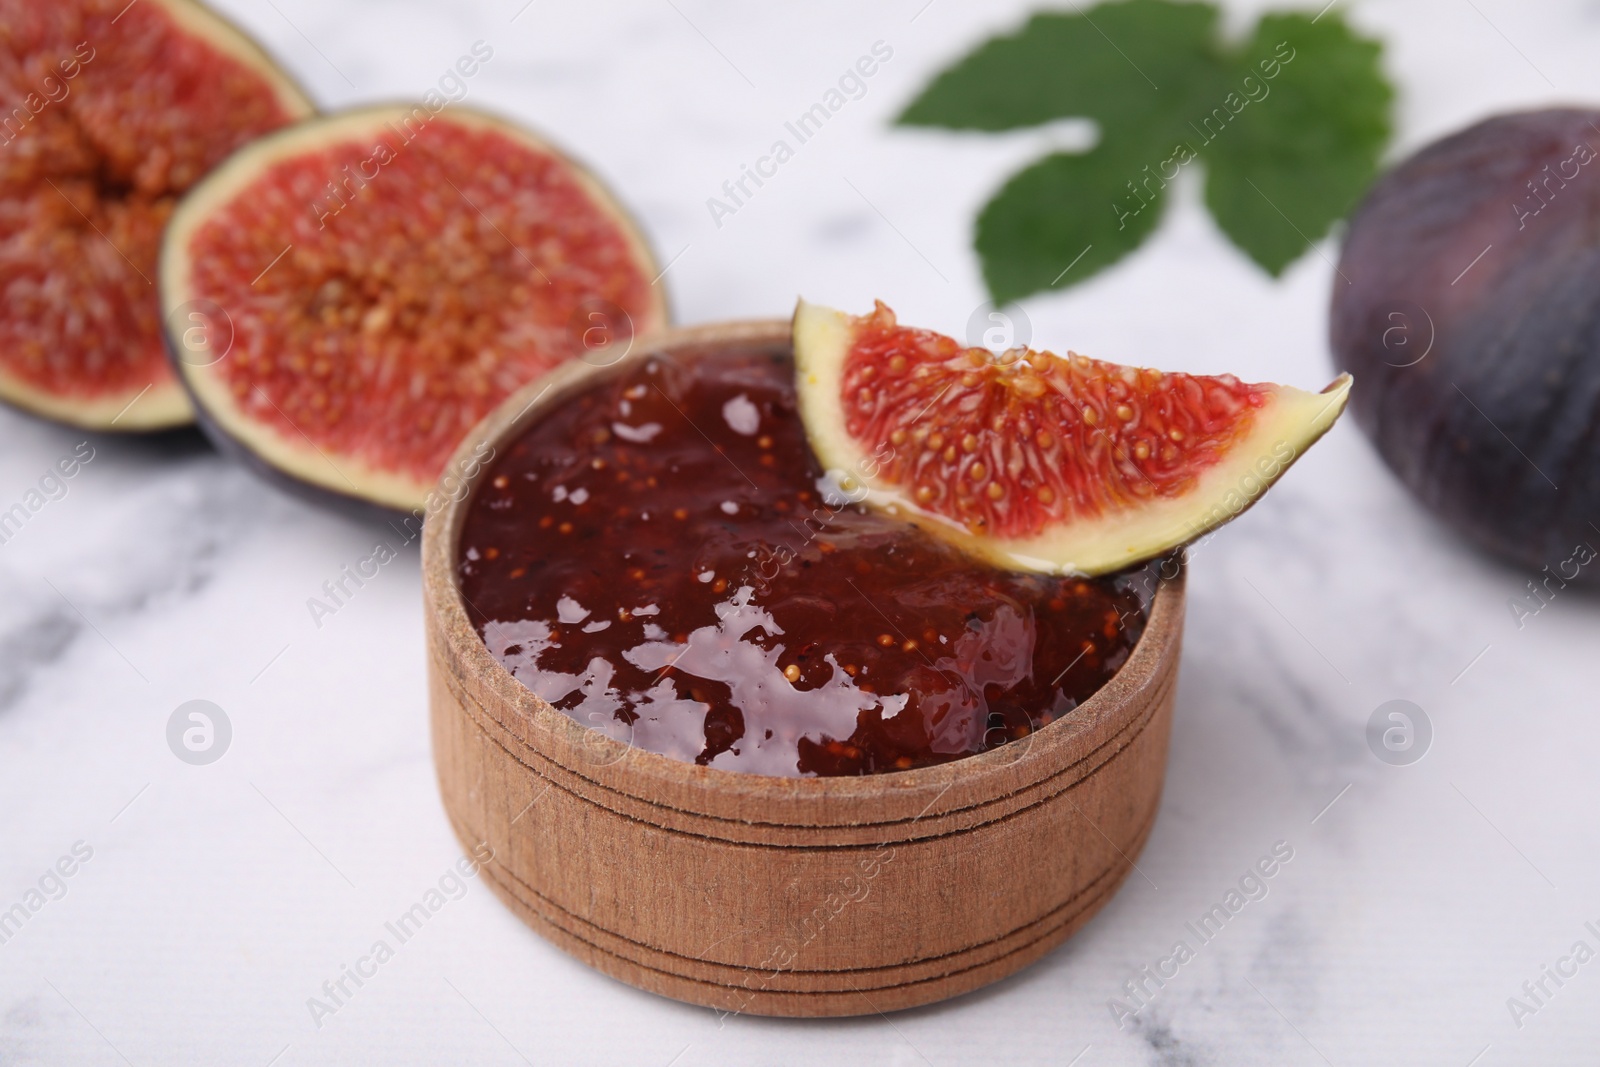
x: 1467, y: 305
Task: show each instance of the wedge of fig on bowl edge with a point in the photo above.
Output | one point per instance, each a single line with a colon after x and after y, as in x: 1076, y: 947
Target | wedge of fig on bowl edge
x: 1039, y: 462
x: 112, y: 111
x: 348, y: 297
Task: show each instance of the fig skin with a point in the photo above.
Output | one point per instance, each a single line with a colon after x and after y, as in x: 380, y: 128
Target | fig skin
x: 1480, y: 381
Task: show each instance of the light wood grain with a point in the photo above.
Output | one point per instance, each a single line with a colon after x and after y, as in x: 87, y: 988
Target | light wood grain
x: 786, y: 896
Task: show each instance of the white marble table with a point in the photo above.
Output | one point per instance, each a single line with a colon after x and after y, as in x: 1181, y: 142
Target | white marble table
x: 218, y: 899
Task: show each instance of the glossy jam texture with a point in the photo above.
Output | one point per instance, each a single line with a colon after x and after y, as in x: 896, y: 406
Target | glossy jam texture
x: 660, y: 558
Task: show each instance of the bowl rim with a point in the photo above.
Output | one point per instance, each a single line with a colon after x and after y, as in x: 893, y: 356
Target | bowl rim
x: 479, y: 681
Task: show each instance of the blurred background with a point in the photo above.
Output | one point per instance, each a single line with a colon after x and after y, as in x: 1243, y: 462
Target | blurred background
x: 217, y: 898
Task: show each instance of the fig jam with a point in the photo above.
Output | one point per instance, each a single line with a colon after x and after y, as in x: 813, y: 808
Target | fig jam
x: 661, y: 557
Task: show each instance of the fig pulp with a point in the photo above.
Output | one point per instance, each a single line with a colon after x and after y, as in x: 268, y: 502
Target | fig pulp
x: 1468, y: 302
x: 1036, y: 461
x: 112, y: 111
x: 348, y: 297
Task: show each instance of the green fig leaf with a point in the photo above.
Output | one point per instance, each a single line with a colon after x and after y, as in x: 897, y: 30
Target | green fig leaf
x: 1289, y: 128
x: 1295, y: 159
x: 1027, y: 242
x: 1129, y: 66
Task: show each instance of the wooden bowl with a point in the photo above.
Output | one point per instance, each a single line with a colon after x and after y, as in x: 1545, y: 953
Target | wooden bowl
x: 783, y: 896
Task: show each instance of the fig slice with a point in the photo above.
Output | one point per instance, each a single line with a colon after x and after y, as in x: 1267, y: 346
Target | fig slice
x: 1039, y: 462
x: 348, y: 297
x: 112, y: 110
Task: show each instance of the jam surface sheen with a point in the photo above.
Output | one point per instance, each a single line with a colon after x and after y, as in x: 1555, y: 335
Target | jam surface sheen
x: 662, y: 558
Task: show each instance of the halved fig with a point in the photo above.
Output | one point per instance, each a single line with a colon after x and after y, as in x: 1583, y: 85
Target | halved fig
x: 1035, y: 461
x: 112, y: 111
x: 346, y: 298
